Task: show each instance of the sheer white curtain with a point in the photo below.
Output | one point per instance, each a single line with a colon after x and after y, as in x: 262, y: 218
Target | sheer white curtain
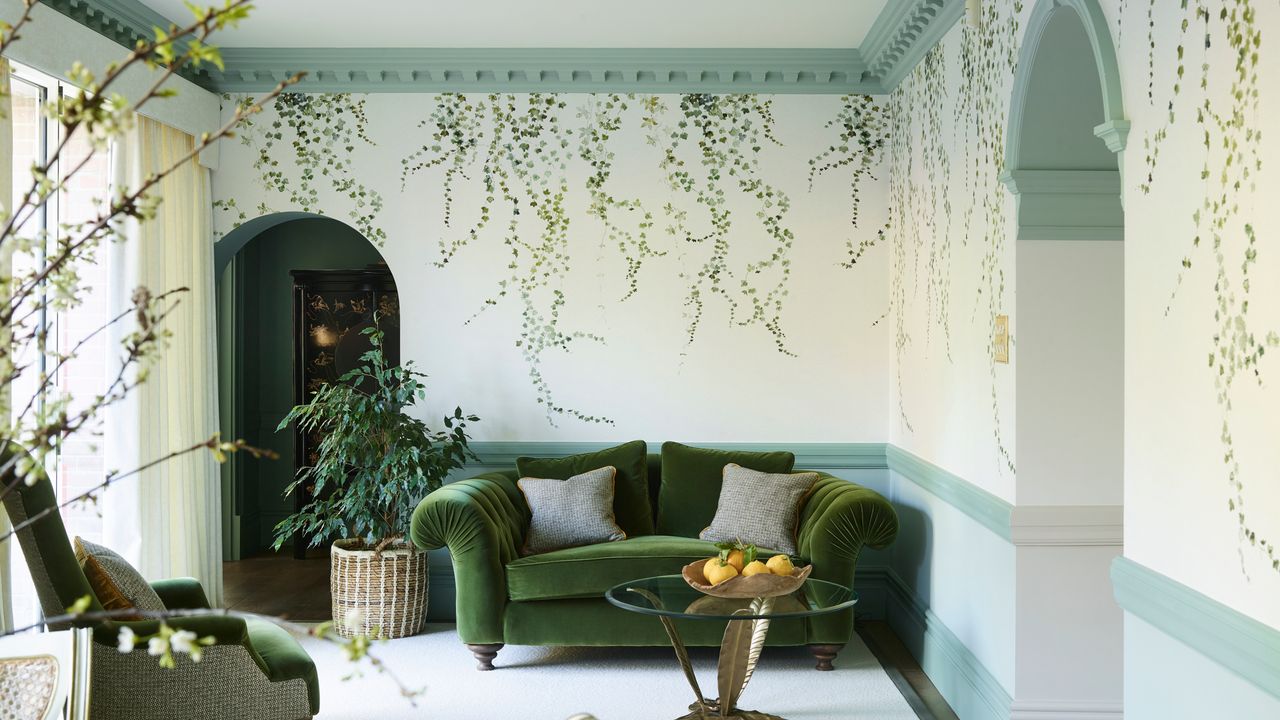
x: 167, y: 520
x: 6, y: 199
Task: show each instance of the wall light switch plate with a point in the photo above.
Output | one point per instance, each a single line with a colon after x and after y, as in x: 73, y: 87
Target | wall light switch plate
x: 1002, y: 339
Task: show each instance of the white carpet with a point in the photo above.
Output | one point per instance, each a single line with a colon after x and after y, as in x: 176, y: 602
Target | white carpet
x: 533, y: 683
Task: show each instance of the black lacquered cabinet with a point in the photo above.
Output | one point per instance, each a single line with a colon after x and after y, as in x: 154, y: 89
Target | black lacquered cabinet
x: 330, y: 309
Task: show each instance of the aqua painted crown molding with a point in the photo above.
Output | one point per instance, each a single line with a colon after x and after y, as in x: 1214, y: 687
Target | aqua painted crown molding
x: 124, y: 21
x: 544, y: 70
x: 903, y: 33
x: 1245, y: 646
x: 899, y: 38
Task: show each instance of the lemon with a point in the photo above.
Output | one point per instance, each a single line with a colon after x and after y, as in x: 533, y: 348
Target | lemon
x: 717, y: 572
x: 736, y: 560
x: 780, y: 565
x: 755, y: 568
x: 706, y: 568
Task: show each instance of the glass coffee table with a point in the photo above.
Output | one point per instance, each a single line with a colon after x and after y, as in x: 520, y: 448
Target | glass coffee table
x: 668, y: 597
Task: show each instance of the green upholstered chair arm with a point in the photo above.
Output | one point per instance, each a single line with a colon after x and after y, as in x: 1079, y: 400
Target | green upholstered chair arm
x: 224, y: 629
x: 181, y: 594
x: 837, y: 520
x: 482, y: 521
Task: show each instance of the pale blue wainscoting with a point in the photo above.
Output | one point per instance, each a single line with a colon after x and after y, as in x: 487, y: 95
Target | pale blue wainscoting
x: 1189, y: 656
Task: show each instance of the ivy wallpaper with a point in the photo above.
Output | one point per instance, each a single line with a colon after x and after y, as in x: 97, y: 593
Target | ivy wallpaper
x: 1202, y: 86
x: 1202, y: 292
x: 704, y: 256
x: 952, y: 255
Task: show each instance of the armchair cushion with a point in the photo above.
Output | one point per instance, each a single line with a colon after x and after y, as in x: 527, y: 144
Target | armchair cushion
x: 589, y: 570
x: 117, y: 585
x: 631, y: 487
x: 691, y: 479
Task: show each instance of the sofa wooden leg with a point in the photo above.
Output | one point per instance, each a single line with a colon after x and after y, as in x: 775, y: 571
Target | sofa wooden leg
x: 485, y: 655
x: 825, y: 654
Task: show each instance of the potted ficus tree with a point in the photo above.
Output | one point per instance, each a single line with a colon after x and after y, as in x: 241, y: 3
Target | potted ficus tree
x: 374, y: 463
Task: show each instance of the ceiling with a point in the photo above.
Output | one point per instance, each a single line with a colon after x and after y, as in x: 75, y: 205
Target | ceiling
x: 675, y: 46
x: 548, y: 23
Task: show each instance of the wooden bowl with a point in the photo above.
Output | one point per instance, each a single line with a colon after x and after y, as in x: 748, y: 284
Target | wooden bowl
x: 755, y: 586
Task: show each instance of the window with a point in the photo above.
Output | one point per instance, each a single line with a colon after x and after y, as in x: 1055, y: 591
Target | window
x: 78, y: 464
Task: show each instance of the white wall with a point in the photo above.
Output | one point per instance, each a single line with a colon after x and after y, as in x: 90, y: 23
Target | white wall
x: 953, y: 261
x: 730, y: 384
x: 1178, y: 490
x: 1070, y: 406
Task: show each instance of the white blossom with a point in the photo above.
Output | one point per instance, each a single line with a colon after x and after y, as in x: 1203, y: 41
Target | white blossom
x: 126, y: 640
x: 355, y: 618
x: 157, y: 646
x: 185, y: 641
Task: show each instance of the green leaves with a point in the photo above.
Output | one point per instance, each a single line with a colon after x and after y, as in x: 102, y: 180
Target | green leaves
x: 375, y: 462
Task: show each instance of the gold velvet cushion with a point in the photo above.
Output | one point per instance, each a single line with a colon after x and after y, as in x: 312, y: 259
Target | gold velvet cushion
x: 116, y: 583
x: 570, y: 513
x: 760, y: 508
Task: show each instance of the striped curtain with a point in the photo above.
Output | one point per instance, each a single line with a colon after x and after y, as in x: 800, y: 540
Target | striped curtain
x: 167, y: 521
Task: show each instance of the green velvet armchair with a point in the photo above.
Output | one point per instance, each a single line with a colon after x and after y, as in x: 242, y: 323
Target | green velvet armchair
x: 556, y: 598
x: 254, y: 671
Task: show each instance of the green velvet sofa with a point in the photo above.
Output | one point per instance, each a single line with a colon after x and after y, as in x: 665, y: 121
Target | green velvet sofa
x: 255, y: 670
x: 557, y: 598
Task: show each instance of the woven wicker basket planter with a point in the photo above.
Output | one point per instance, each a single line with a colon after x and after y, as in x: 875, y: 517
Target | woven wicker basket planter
x: 385, y: 594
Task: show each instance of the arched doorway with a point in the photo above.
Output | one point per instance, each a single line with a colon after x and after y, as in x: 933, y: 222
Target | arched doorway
x: 1063, y: 164
x: 256, y: 348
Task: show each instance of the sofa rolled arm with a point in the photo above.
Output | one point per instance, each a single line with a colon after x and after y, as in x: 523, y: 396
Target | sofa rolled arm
x: 837, y: 521
x: 181, y: 594
x: 482, y: 521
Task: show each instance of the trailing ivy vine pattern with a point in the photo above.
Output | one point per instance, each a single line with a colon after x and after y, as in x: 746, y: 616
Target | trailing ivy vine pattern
x: 922, y: 168
x: 1210, y: 35
x: 864, y: 130
x: 603, y: 116
x: 513, y: 156
x: 324, y: 130
x: 522, y: 167
x: 708, y: 149
x: 729, y: 131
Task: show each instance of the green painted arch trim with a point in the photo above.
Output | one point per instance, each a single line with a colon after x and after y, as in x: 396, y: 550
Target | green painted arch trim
x: 1245, y: 646
x: 990, y: 511
x: 1114, y: 128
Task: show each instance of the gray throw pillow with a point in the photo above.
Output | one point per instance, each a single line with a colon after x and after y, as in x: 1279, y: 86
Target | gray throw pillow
x: 117, y: 584
x: 569, y: 513
x: 760, y: 508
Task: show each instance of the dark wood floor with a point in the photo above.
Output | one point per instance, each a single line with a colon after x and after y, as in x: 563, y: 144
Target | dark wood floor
x: 298, y: 590
x: 277, y: 584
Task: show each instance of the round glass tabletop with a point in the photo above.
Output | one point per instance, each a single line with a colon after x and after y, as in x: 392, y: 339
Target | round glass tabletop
x: 671, y: 596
